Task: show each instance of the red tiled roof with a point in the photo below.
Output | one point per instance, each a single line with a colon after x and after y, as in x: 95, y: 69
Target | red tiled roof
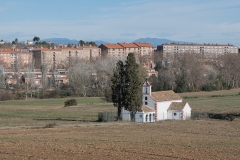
x: 46, y: 49
x: 165, y: 96
x: 128, y: 45
x: 89, y: 47
x: 69, y: 48
x: 113, y: 46
x: 142, y: 44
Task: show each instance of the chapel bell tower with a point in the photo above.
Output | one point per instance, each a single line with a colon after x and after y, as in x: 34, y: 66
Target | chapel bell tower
x: 146, y: 88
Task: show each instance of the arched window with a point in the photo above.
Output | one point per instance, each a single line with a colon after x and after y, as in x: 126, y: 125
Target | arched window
x: 146, y: 119
x: 150, y: 116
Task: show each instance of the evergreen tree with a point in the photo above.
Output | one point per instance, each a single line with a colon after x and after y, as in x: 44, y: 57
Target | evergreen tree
x: 181, y: 84
x: 126, y: 86
x: 132, y: 89
x: 117, y: 87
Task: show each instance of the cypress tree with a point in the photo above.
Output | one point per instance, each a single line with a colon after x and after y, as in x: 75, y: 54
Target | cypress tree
x: 132, y: 98
x: 126, y: 86
x: 117, y: 87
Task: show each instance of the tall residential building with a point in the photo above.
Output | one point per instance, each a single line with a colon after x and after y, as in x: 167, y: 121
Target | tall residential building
x: 60, y: 58
x: 13, y: 59
x: 122, y: 49
x: 119, y: 51
x: 164, y: 52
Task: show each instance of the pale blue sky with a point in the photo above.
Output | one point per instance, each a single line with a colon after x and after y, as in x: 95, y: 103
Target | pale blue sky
x: 199, y: 21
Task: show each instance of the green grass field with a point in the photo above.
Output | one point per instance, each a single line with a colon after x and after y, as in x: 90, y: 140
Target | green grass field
x: 38, y: 113
x: 217, y: 101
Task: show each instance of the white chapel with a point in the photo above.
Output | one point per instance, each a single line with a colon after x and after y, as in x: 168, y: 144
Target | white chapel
x: 161, y: 105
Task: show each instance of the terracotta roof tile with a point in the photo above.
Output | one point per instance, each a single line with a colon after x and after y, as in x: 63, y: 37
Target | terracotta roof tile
x: 165, y: 96
x: 113, y: 46
x: 142, y: 44
x: 69, y: 48
x: 128, y: 45
x: 89, y: 47
x: 177, y: 106
x: 46, y: 49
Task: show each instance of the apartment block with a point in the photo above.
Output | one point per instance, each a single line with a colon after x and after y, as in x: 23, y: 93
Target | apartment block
x: 61, y: 57
x: 209, y: 51
x: 119, y: 51
x: 13, y: 59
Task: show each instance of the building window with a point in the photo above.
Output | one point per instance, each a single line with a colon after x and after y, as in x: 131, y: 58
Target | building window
x: 146, y: 103
x: 145, y: 98
x: 175, y: 114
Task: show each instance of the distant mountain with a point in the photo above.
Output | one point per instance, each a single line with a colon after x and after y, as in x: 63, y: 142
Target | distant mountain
x: 61, y: 40
x: 99, y: 42
x: 155, y: 41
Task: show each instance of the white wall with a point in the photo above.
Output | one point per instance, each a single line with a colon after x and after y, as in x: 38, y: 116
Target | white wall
x: 126, y: 115
x: 174, y: 114
x: 187, y: 112
x: 139, y: 117
x: 146, y: 89
x: 162, y: 108
x: 145, y: 117
x: 150, y: 101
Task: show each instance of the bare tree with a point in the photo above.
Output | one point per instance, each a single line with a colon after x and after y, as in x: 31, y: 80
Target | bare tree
x: 29, y: 83
x: 79, y: 77
x: 3, y: 83
x: 230, y: 70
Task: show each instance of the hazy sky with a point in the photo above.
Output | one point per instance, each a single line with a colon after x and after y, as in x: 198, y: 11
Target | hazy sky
x: 199, y: 21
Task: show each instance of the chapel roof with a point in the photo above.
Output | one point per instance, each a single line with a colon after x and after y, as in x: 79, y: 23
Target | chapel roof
x: 147, y: 109
x: 165, y: 96
x: 177, y: 106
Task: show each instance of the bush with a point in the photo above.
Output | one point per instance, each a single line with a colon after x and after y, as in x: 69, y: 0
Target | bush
x: 208, y: 87
x: 5, y: 96
x: 50, y: 125
x: 70, y: 102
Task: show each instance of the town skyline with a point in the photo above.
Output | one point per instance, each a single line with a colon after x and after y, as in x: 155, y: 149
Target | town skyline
x: 122, y: 21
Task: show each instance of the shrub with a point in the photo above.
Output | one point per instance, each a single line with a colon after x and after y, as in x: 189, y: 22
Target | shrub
x: 70, y: 102
x: 5, y: 96
x: 217, y: 95
x: 50, y: 125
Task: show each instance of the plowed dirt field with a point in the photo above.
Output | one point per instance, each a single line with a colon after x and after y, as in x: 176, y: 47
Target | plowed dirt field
x: 191, y: 139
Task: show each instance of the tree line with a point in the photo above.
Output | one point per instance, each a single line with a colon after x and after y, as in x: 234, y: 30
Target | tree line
x: 191, y: 72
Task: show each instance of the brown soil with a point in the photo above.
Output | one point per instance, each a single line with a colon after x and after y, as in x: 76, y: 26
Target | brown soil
x: 193, y: 139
